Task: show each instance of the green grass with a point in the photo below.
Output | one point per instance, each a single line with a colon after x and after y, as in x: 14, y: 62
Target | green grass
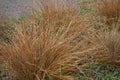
x: 102, y: 72
x: 99, y: 72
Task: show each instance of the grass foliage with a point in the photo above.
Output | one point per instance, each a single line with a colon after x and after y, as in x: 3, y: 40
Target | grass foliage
x: 63, y: 43
x: 45, y: 46
x: 110, y: 9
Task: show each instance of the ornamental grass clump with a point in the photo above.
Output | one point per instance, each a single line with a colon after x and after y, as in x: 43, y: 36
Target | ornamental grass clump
x: 107, y: 42
x: 45, y: 47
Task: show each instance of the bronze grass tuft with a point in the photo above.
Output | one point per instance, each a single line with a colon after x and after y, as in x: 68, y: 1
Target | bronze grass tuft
x: 44, y: 47
x: 108, y: 45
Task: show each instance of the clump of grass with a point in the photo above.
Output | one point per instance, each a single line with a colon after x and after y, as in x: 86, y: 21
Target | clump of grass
x: 110, y: 9
x: 108, y: 43
x: 111, y: 42
x: 45, y: 46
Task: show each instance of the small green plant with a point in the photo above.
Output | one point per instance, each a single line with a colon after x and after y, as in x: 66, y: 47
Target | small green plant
x: 5, y: 29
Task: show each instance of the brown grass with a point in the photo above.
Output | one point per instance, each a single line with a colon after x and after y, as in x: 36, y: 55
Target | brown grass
x: 110, y: 9
x: 108, y: 45
x: 5, y: 29
x: 45, y: 46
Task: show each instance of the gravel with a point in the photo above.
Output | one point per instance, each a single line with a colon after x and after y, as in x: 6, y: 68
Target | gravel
x: 17, y: 8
